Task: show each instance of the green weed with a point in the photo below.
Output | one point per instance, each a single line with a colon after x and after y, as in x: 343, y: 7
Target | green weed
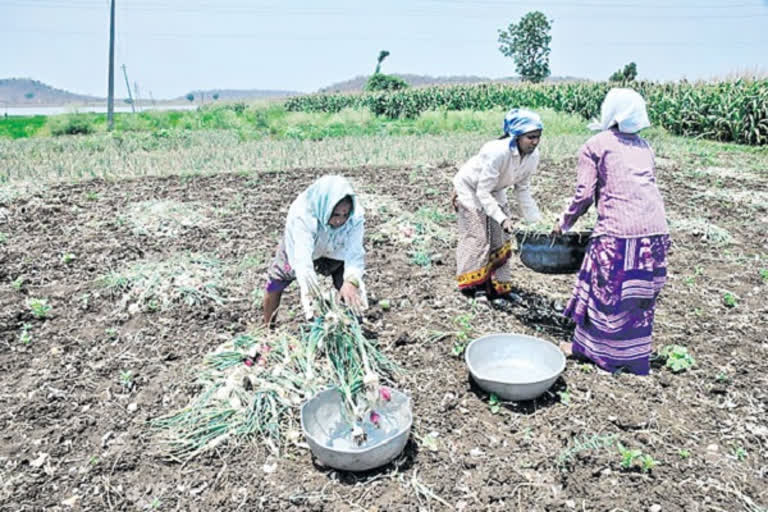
x: 463, y: 333
x: 18, y: 283
x: 581, y: 445
x: 493, y: 404
x: 39, y: 307
x: 729, y: 299
x: 676, y: 358
x: 24, y: 336
x: 126, y: 379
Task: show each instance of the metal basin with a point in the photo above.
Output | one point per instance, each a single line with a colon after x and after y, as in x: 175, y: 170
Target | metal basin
x: 328, y: 434
x: 552, y: 254
x: 514, y: 366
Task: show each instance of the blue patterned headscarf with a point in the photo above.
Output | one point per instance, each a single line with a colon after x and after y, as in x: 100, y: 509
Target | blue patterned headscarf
x: 519, y: 121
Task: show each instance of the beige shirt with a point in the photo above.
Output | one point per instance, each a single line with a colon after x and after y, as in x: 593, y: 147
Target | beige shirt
x: 482, y: 182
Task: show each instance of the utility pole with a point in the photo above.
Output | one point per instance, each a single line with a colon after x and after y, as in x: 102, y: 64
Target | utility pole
x: 130, y: 97
x: 111, y: 80
x: 138, y: 96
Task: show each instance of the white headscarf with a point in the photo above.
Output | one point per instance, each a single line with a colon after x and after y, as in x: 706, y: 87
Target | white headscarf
x: 622, y: 107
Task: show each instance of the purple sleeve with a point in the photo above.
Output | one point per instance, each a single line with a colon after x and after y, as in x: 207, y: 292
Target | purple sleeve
x: 586, y: 183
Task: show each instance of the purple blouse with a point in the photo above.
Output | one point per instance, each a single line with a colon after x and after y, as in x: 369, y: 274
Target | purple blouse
x: 616, y: 170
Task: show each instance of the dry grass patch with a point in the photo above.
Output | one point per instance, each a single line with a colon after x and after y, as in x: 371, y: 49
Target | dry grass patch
x: 165, y: 218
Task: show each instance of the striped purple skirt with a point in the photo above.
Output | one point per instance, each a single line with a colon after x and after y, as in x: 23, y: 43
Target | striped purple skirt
x: 614, y: 300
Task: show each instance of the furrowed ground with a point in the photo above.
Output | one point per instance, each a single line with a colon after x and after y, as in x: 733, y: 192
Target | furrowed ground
x: 113, y: 289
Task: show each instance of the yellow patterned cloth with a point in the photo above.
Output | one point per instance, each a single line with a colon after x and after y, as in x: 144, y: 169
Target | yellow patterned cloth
x: 482, y: 253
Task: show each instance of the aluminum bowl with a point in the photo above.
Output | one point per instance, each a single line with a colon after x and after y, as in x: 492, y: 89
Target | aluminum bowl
x: 553, y: 254
x: 515, y: 367
x: 328, y: 434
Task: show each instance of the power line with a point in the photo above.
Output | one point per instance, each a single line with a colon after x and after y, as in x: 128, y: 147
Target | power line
x: 457, y: 3
x: 409, y: 12
x: 261, y: 36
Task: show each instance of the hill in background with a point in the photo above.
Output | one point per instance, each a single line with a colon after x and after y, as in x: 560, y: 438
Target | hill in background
x: 25, y: 91
x: 358, y: 83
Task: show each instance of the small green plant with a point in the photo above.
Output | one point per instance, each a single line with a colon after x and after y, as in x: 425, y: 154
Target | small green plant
x: 18, y: 283
x: 586, y: 368
x: 729, y: 299
x: 647, y: 463
x: 565, y: 397
x: 421, y: 258
x: 463, y: 334
x: 683, y: 453
x: 677, y: 358
x: 126, y: 379
x: 764, y: 274
x: 740, y: 453
x: 722, y: 378
x: 24, y: 335
x: 92, y: 195
x: 39, y: 307
x: 585, y: 444
x: 93, y: 460
x: 493, y: 404
x: 3, y: 237
x: 67, y: 258
x: 628, y: 457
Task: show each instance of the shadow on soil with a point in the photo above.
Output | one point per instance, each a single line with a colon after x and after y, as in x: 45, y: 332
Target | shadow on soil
x: 549, y: 398
x: 402, y: 462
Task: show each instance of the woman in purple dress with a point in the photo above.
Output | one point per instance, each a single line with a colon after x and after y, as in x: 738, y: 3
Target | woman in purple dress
x: 625, y: 266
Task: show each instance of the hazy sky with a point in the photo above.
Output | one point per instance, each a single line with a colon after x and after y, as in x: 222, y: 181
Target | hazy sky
x: 173, y: 46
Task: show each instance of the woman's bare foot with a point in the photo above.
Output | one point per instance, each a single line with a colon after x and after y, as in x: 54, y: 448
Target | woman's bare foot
x: 567, y: 348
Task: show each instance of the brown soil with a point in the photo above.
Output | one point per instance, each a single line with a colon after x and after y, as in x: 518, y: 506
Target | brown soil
x: 72, y: 438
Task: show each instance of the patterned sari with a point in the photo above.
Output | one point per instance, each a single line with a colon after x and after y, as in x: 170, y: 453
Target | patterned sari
x: 614, y: 300
x: 482, y: 253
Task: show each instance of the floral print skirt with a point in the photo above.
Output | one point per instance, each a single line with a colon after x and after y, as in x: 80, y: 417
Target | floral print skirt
x: 614, y: 300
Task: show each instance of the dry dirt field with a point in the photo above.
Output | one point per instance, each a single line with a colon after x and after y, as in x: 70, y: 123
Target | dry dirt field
x: 84, y: 366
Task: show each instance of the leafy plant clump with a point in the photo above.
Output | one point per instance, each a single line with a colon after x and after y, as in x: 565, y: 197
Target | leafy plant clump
x: 676, y: 358
x: 39, y: 307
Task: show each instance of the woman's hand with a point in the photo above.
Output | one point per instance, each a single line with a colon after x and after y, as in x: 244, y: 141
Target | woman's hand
x: 508, y: 226
x: 349, y: 294
x: 455, y: 201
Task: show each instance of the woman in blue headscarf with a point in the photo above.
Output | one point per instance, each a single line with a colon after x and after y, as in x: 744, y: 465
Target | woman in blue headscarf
x: 323, y: 234
x: 480, y: 201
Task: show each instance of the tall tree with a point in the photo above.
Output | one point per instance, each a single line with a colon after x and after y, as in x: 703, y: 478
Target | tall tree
x: 527, y: 42
x: 627, y: 74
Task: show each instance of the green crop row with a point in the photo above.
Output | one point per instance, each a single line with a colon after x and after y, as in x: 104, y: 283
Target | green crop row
x: 723, y: 111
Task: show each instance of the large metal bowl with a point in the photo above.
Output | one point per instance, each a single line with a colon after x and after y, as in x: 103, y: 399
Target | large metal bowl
x: 329, y: 436
x: 514, y: 366
x: 552, y: 254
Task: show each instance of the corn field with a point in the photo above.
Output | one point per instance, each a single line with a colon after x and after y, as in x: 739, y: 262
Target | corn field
x: 727, y: 111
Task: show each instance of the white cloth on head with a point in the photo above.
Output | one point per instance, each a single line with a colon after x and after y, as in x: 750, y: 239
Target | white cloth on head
x: 308, y: 236
x: 624, y: 108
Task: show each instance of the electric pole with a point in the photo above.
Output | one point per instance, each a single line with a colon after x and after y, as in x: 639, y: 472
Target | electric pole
x: 138, y: 96
x: 111, y: 86
x: 128, y: 86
